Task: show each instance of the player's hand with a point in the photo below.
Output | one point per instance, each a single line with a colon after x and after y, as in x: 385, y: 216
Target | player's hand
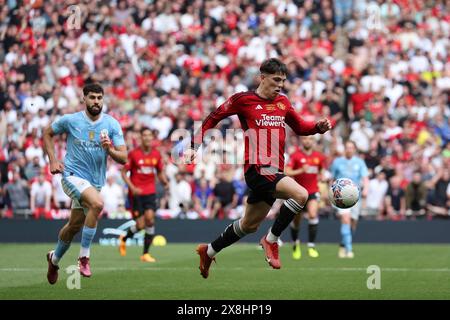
x: 305, y: 168
x: 136, y: 191
x: 166, y: 188
x: 106, y: 143
x: 323, y: 125
x: 56, y: 167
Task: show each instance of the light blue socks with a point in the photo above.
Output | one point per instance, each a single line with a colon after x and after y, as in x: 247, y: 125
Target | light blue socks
x: 60, y: 250
x: 346, y: 234
x: 86, y: 239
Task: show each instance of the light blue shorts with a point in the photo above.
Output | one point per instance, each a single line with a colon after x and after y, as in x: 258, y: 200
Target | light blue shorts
x: 354, y: 211
x: 74, y: 187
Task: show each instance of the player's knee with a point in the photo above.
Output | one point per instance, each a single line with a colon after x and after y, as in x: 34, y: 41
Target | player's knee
x: 149, y: 222
x: 249, y: 227
x: 313, y: 216
x: 300, y: 196
x: 345, y: 218
x: 140, y: 224
x: 97, y: 205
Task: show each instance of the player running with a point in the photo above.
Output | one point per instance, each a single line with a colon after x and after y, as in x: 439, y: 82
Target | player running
x: 143, y: 164
x: 263, y: 114
x: 353, y: 167
x: 305, y: 166
x: 91, y: 137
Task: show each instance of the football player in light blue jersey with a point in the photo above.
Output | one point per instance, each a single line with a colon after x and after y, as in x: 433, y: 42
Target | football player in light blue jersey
x: 352, y: 167
x: 91, y: 137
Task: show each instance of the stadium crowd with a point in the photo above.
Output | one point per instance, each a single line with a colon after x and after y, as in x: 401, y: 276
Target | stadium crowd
x: 379, y: 69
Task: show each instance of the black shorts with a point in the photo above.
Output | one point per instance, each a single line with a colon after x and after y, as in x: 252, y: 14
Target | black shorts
x: 314, y: 196
x: 144, y: 202
x: 261, y: 187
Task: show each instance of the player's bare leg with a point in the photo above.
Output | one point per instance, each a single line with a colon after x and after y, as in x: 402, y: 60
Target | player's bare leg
x: 275, y: 209
x: 354, y: 224
x: 73, y: 226
x: 255, y: 213
x: 312, y: 208
x: 66, y: 234
x: 91, y: 199
x: 296, y: 197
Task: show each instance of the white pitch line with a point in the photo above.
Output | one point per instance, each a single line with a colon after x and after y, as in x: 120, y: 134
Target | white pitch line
x: 300, y: 269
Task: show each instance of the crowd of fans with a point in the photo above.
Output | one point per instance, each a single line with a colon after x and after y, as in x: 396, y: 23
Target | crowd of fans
x: 379, y: 69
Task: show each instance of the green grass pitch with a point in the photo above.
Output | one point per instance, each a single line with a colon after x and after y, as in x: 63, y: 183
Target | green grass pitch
x: 407, y: 272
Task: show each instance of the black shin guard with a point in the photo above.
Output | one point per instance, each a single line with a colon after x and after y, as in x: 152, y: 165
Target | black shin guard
x: 312, y: 232
x: 287, y: 213
x: 129, y: 234
x: 148, y: 238
x: 294, y: 233
x: 231, y: 235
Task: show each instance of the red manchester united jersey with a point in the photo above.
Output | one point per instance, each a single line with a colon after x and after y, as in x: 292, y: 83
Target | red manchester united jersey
x: 143, y: 168
x: 263, y: 122
x: 313, y: 163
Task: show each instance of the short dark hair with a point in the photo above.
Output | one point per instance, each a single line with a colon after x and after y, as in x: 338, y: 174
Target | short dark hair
x: 352, y: 142
x: 143, y: 129
x: 273, y: 66
x: 92, y: 87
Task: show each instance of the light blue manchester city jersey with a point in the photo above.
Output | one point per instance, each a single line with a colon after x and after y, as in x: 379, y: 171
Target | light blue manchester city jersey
x: 85, y: 157
x: 354, y: 169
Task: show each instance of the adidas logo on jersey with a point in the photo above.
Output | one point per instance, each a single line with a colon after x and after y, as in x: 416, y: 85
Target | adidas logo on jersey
x: 258, y: 107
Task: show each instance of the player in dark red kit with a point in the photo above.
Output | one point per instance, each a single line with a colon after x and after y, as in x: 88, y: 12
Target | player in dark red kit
x: 144, y: 163
x: 304, y: 166
x: 263, y: 114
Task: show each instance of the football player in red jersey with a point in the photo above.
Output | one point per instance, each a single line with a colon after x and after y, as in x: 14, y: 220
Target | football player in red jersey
x: 144, y: 164
x: 263, y: 114
x: 304, y: 166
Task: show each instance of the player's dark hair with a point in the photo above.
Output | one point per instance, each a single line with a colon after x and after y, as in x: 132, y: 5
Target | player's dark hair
x: 143, y: 129
x: 92, y: 87
x: 273, y: 66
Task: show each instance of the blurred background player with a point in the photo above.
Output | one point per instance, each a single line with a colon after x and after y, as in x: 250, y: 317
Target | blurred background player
x: 352, y: 167
x: 304, y: 166
x: 264, y: 112
x: 144, y: 163
x: 90, y: 138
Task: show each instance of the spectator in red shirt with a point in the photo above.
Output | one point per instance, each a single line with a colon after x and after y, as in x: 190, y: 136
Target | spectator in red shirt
x: 358, y: 101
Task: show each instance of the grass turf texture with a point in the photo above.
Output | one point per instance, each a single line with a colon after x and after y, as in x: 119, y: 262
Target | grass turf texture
x: 407, y: 272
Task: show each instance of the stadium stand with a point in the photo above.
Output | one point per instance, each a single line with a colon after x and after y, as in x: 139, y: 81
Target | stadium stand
x: 379, y: 69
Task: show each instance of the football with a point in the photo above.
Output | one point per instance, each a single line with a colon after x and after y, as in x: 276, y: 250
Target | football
x: 344, y: 193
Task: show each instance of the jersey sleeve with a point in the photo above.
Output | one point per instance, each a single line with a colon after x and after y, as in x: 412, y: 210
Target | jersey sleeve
x: 61, y: 125
x: 300, y: 126
x: 228, y: 108
x: 117, y: 134
x: 364, y: 170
